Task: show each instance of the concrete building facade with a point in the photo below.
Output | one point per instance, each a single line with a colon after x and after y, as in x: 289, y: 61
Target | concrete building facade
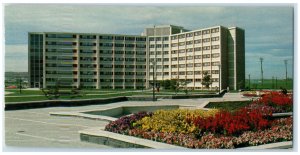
x: 127, y: 61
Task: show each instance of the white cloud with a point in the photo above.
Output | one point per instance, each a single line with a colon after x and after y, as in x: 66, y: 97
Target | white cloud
x: 16, y: 58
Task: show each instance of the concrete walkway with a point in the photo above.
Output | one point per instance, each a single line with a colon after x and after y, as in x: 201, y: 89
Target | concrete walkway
x: 36, y: 128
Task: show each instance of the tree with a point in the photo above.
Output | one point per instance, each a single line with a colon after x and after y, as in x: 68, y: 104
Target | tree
x: 167, y: 84
x: 206, y: 81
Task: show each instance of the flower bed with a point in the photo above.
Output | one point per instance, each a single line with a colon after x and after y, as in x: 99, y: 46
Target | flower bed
x: 247, y: 126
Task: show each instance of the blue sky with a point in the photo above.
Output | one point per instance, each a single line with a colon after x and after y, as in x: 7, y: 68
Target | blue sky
x: 268, y: 29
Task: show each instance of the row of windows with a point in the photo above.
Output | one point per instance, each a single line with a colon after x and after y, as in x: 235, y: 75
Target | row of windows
x: 191, y: 42
x: 122, y: 66
x: 203, y: 32
x: 122, y: 73
x: 196, y: 49
x: 183, y: 73
x: 122, y: 52
x: 122, y: 59
x: 191, y: 73
x: 159, y: 39
x: 159, y: 45
x: 94, y: 37
x: 186, y: 65
x: 159, y: 52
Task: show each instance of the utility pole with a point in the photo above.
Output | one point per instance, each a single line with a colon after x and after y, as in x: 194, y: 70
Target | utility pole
x: 249, y: 82
x: 262, y: 72
x: 272, y: 82
x: 276, y: 83
x: 285, y: 62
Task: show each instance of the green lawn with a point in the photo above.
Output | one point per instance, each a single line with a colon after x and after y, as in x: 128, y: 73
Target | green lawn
x: 230, y: 105
x: 268, y: 84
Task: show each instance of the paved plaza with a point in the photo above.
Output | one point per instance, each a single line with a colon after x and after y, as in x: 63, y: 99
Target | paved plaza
x: 35, y: 128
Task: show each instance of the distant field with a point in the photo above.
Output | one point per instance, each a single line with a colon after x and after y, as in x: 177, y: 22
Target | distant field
x: 268, y: 84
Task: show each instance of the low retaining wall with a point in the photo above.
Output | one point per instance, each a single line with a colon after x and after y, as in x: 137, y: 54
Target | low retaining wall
x: 199, y: 95
x: 99, y: 136
x: 55, y: 103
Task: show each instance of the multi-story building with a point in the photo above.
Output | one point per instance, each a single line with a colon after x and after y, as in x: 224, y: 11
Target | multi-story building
x: 126, y: 61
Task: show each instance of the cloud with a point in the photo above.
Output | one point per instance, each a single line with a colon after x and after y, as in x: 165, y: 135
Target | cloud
x: 16, y: 58
x: 268, y: 29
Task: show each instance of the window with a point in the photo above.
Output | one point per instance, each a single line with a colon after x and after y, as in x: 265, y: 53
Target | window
x: 189, y: 58
x: 189, y: 65
x: 174, y: 66
x: 206, y: 48
x: 174, y: 45
x: 152, y: 46
x: 215, y: 30
x: 206, y: 56
x: 197, y: 56
x: 215, y: 63
x: 158, y: 39
x: 215, y: 47
x: 181, y: 36
x: 197, y: 33
x: 158, y: 52
x: 166, y: 59
x: 158, y: 45
x: 140, y: 46
x: 166, y: 73
x: 181, y: 43
x: 197, y: 49
x: 166, y: 45
x: 215, y: 80
x: 166, y: 66
x: 158, y: 60
x: 197, y: 72
x: 151, y: 39
x: 215, y: 71
x: 197, y: 41
x: 189, y: 34
x: 174, y: 52
x: 174, y: 59
x: 181, y: 73
x: 198, y: 65
x: 174, y: 37
x: 151, y: 53
x: 181, y: 51
x: 206, y: 40
x: 182, y: 66
x: 215, y: 55
x: 189, y: 73
x: 166, y: 38
x: 206, y: 64
x: 140, y: 39
x: 189, y: 42
x: 166, y: 52
x: 206, y: 32
x: 189, y: 50
x: 119, y: 38
x: 215, y: 39
x: 198, y: 80
x: 174, y: 73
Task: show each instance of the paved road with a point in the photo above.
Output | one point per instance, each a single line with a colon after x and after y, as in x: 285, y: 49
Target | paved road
x: 36, y: 128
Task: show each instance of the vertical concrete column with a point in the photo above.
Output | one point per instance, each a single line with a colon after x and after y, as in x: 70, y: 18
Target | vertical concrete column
x: 97, y: 63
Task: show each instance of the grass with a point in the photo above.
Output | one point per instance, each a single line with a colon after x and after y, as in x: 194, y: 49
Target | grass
x: 230, y: 105
x: 268, y: 84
